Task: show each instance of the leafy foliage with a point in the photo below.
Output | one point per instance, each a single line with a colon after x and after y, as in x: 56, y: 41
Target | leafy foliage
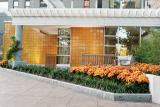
x: 102, y: 83
x: 13, y: 48
x: 149, y: 51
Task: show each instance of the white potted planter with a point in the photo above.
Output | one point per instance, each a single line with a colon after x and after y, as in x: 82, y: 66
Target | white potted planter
x: 154, y: 85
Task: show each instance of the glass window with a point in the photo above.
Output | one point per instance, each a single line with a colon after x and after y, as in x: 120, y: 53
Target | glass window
x: 110, y: 40
x: 65, y: 42
x: 125, y: 3
x: 63, y: 59
x: 63, y: 56
x: 111, y: 30
x: 99, y: 4
x: 110, y: 50
x: 27, y: 4
x: 63, y: 50
x: 15, y: 4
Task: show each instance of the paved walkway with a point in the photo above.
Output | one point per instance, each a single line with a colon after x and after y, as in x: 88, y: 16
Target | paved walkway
x: 18, y: 91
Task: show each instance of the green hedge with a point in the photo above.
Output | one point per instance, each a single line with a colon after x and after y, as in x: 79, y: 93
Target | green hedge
x: 106, y: 84
x: 149, y: 51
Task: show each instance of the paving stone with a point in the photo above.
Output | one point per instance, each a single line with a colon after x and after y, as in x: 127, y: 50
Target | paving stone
x: 81, y: 100
x: 23, y: 101
x: 53, y: 102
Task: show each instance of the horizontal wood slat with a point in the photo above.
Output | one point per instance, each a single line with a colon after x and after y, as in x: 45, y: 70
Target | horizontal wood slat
x: 98, y: 59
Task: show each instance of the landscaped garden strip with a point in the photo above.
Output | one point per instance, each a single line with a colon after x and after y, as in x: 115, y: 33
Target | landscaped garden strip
x: 109, y: 84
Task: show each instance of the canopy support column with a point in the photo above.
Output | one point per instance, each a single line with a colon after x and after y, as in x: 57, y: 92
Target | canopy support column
x: 140, y: 36
x: 18, y: 37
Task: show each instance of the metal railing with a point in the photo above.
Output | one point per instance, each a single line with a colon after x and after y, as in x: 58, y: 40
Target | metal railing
x: 98, y: 59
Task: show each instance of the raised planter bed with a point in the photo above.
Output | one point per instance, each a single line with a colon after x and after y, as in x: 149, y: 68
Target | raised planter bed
x: 154, y: 85
x: 87, y: 90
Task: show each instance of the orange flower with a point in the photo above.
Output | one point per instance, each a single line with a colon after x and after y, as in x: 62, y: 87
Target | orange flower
x: 129, y: 74
x: 147, y: 67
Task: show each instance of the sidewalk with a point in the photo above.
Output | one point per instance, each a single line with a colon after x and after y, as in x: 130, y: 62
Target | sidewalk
x: 17, y: 91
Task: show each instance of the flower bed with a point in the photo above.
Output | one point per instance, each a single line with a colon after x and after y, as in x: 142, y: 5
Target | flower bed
x: 126, y: 74
x: 148, y: 68
x: 109, y: 84
x: 3, y: 63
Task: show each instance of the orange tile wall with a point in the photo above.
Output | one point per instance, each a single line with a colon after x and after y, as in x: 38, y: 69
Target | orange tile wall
x: 89, y: 40
x: 35, y: 45
x: 9, y: 31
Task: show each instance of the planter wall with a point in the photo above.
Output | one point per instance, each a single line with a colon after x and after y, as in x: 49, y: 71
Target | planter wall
x: 154, y: 85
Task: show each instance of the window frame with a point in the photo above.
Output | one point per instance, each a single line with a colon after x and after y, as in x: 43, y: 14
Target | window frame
x: 59, y: 46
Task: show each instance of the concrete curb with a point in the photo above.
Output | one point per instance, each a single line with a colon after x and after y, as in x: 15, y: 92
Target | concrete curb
x: 87, y: 90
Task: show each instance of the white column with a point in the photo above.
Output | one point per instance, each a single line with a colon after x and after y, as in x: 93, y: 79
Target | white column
x: 96, y: 3
x: 142, y: 4
x: 18, y: 37
x: 72, y: 3
x: 140, y: 36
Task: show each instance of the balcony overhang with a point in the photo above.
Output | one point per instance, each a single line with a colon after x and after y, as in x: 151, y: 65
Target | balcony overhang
x: 86, y: 17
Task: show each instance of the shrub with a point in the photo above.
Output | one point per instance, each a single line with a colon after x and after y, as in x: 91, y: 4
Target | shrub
x: 149, y: 51
x: 13, y: 48
x: 102, y: 83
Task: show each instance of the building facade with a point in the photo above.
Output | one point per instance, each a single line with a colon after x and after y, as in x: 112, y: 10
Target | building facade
x: 73, y: 32
x: 3, y: 17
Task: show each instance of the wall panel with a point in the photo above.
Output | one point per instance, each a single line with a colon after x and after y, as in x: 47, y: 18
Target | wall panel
x: 36, y: 45
x: 89, y: 40
x: 9, y: 30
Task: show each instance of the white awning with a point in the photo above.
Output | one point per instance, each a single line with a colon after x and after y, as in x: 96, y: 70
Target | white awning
x: 88, y: 17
